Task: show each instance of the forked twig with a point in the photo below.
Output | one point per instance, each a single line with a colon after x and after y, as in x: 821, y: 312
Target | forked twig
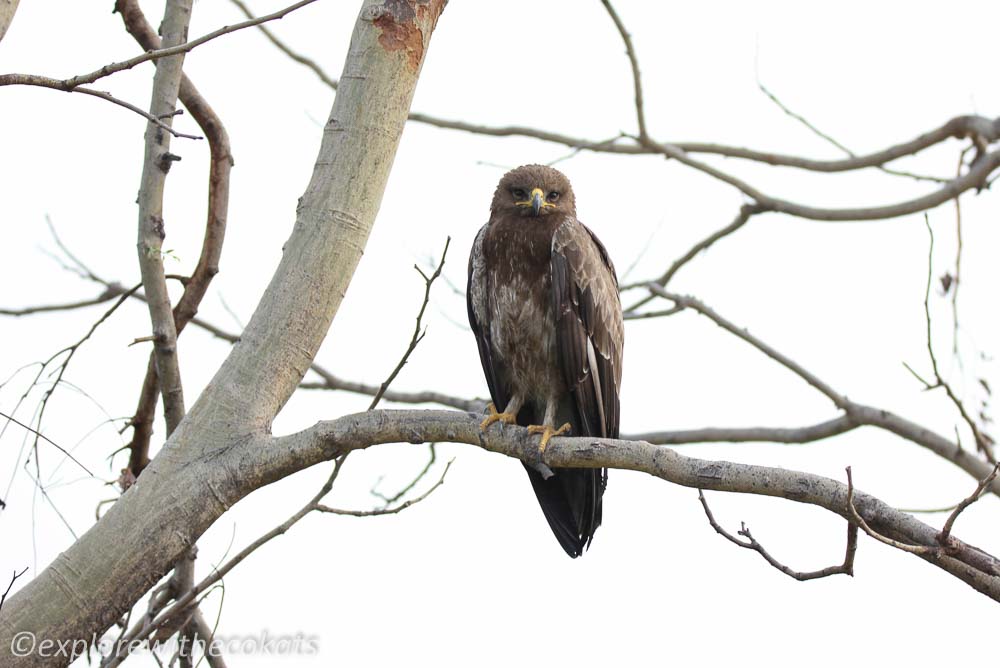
x: 845, y: 568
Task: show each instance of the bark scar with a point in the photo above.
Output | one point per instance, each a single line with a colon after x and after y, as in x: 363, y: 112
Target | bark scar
x: 397, y: 20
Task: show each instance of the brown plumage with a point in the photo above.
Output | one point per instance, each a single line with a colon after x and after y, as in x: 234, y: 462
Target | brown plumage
x: 543, y: 304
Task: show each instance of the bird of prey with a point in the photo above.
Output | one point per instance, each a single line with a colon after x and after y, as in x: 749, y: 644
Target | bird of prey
x: 543, y: 303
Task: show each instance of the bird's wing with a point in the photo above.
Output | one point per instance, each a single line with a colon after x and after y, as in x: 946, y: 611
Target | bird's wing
x: 477, y: 297
x: 589, y: 329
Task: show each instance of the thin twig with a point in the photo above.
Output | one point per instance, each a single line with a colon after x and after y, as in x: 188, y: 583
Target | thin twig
x: 634, y: 63
x: 741, y: 219
x: 389, y: 500
x: 982, y: 440
x: 690, y: 302
x: 956, y: 280
x: 105, y: 296
x: 945, y: 537
x: 288, y: 51
x: 846, y: 568
x: 3, y: 597
x: 958, y: 127
x: 79, y: 80
x: 853, y: 512
x: 417, y: 334
x: 860, y: 414
x: 387, y: 510
x: 56, y: 84
x: 822, y: 135
x: 143, y: 629
x: 48, y: 440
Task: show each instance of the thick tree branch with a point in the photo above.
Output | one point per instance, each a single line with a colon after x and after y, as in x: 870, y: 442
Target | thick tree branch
x: 181, y: 493
x: 335, y: 438
x: 976, y: 177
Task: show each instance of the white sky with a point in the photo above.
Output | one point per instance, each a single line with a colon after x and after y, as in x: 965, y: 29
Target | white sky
x: 472, y: 575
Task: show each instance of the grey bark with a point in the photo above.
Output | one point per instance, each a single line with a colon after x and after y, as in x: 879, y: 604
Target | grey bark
x: 7, y: 11
x: 213, y: 458
x: 152, y: 229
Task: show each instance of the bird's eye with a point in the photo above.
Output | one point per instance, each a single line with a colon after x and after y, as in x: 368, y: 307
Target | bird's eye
x: 553, y: 196
x: 519, y: 194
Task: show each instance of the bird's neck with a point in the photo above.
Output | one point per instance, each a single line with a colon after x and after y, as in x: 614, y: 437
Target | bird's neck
x: 529, y: 237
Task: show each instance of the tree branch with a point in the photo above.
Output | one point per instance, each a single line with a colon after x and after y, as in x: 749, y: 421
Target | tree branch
x: 220, y: 166
x: 337, y: 437
x: 156, y: 163
x: 634, y: 64
x: 857, y: 413
x: 846, y: 568
x: 155, y: 522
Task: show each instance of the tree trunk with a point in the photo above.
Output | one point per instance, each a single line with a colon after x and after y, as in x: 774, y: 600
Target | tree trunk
x: 207, y: 464
x: 7, y: 10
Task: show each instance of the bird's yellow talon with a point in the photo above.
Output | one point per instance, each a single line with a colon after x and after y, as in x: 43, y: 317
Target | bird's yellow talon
x: 506, y: 418
x: 547, y: 433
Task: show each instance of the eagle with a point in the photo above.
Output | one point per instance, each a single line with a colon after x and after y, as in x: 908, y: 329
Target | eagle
x: 544, y: 306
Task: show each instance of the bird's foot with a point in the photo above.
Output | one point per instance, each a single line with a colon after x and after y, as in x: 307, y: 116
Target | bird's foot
x: 506, y: 418
x: 547, y: 433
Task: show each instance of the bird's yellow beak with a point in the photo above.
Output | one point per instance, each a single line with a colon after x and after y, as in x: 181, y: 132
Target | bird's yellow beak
x: 536, y: 200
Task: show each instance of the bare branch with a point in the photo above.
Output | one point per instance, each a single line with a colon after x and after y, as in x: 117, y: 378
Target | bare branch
x: 151, y: 232
x: 858, y: 413
x: 389, y: 510
x: 959, y: 127
x: 945, y: 535
x: 746, y: 212
x: 56, y: 84
x: 105, y: 296
x: 287, y: 50
x: 809, y: 434
x: 822, y: 135
x: 975, y: 178
x: 905, y: 547
x: 38, y: 434
x: 74, y: 83
x: 846, y: 568
x: 982, y: 440
x: 221, y: 163
x: 389, y: 500
x: 690, y: 302
x: 417, y: 335
x: 361, y: 430
x: 634, y: 63
x: 13, y: 579
x: 182, y: 605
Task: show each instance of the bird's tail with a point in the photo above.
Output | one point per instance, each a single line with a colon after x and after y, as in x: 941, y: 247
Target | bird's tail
x: 571, y: 500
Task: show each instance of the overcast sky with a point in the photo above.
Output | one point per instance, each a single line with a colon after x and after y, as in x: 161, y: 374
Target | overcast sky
x: 472, y: 576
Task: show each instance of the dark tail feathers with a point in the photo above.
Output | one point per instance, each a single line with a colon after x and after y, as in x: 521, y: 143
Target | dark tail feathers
x: 571, y: 500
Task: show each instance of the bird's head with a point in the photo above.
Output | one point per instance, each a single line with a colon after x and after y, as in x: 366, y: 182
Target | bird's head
x: 534, y: 190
